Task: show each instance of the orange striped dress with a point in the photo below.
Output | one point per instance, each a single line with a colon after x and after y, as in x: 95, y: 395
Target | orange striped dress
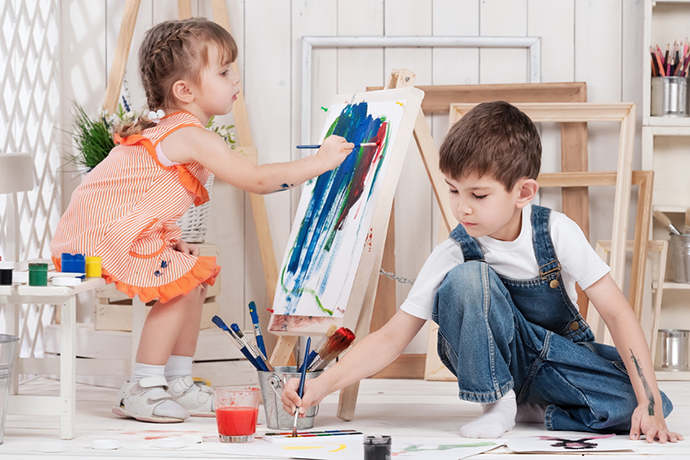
x: 125, y: 211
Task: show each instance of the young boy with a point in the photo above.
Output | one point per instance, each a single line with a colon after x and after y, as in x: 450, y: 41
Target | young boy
x: 502, y: 289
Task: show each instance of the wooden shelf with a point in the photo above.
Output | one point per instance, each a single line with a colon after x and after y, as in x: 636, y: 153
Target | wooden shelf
x: 672, y: 285
x: 669, y: 121
x: 670, y: 209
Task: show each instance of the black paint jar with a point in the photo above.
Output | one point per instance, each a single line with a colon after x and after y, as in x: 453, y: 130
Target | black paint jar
x: 377, y: 448
x: 6, y: 269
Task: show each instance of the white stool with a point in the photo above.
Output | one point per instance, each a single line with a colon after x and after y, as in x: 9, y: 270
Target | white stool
x: 67, y: 364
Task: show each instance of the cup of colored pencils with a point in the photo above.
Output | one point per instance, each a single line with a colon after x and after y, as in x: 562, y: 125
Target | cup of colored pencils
x: 670, y: 72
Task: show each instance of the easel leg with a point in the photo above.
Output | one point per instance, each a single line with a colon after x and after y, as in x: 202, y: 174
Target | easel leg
x: 348, y: 395
x: 283, y: 352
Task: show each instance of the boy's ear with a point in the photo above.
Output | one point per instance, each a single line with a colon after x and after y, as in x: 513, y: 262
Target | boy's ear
x: 527, y: 190
x: 182, y: 91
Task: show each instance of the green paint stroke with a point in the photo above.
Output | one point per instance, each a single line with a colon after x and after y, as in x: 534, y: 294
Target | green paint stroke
x: 301, y: 291
x: 645, y: 385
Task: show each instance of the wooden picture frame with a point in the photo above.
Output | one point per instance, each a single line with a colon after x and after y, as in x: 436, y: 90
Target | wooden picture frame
x: 599, y: 328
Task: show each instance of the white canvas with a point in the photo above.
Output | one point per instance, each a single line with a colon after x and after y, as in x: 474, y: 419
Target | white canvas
x: 332, y: 225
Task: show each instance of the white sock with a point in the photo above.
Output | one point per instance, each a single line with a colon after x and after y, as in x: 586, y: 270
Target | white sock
x: 530, y: 413
x: 178, y: 366
x: 146, y: 370
x: 496, y: 419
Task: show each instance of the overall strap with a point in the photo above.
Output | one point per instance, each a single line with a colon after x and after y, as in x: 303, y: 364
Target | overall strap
x: 470, y: 247
x: 541, y: 240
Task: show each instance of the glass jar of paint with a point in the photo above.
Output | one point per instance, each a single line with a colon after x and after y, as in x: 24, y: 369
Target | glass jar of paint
x: 6, y: 269
x: 38, y: 274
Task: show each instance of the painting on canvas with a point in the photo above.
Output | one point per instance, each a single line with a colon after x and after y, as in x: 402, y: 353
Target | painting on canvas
x: 333, y: 223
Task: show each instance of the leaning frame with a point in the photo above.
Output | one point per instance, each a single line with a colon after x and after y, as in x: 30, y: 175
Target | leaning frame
x: 311, y: 42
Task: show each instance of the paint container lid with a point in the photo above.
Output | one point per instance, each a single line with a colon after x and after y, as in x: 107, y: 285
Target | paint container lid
x: 106, y: 444
x: 52, y: 447
x: 377, y: 440
x: 65, y: 275
x: 6, y: 265
x: 170, y: 443
x: 66, y: 281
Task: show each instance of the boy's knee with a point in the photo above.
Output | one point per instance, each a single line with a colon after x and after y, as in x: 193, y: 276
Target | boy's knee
x: 462, y: 283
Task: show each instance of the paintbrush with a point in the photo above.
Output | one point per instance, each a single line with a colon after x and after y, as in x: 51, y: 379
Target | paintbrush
x: 316, y: 146
x: 319, y: 347
x: 666, y: 222
x: 335, y: 345
x: 253, y: 351
x: 221, y: 324
x: 300, y: 392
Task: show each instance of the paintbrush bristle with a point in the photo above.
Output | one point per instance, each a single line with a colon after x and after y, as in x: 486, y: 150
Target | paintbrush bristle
x: 337, y: 343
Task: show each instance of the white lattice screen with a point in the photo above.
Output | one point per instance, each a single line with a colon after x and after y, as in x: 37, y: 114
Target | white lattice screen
x: 29, y: 121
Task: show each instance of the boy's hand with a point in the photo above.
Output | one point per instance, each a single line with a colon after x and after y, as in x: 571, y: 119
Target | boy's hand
x: 187, y: 248
x: 313, y: 395
x: 653, y: 426
x: 334, y: 149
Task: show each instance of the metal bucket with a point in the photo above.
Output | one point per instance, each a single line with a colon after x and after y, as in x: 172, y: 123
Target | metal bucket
x: 680, y: 254
x: 272, y: 384
x: 8, y: 345
x: 670, y: 97
x: 672, y: 350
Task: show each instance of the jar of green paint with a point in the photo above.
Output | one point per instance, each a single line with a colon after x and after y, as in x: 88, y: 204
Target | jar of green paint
x: 38, y: 274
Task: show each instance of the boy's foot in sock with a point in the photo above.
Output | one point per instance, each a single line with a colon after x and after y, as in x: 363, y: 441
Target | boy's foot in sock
x: 497, y: 418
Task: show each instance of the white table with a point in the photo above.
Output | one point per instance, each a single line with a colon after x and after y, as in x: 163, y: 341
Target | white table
x: 66, y: 365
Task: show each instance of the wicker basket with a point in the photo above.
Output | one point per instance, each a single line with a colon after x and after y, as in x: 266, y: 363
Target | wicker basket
x: 194, y: 222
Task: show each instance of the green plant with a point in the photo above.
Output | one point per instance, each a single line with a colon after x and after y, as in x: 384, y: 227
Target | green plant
x: 93, y: 138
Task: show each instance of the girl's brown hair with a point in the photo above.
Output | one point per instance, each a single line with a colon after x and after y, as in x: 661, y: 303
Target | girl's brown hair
x: 172, y: 51
x: 493, y: 138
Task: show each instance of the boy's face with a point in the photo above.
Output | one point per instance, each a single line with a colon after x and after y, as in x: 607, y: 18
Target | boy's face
x: 484, y: 207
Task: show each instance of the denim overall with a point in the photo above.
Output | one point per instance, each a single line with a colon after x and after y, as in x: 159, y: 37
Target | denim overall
x: 497, y: 334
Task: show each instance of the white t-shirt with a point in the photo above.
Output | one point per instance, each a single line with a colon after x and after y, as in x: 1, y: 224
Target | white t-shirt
x: 512, y: 259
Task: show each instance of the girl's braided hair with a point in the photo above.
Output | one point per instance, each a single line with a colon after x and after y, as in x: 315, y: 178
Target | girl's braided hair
x: 176, y: 50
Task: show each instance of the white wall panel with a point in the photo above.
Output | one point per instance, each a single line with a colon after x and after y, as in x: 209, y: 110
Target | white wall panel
x: 581, y: 40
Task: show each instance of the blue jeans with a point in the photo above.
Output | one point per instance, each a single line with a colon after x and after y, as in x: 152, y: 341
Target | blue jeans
x: 484, y: 339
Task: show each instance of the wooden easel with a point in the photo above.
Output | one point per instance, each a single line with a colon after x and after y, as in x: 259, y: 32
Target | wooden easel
x: 244, y: 135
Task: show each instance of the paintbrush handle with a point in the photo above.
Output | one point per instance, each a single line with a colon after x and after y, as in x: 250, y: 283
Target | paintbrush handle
x: 666, y: 222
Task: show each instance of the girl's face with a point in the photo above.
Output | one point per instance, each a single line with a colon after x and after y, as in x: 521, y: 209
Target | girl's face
x: 218, y: 86
x: 484, y: 207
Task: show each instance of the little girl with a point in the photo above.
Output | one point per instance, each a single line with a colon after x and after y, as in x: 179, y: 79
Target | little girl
x: 126, y: 208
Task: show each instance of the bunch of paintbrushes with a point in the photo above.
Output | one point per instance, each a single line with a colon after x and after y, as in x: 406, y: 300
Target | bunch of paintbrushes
x: 673, y: 63
x: 253, y: 355
x: 329, y: 347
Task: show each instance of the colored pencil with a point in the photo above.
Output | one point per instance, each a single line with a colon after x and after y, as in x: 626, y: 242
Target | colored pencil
x: 315, y: 146
x: 303, y: 377
x: 257, y: 330
x: 666, y: 61
x: 655, y: 68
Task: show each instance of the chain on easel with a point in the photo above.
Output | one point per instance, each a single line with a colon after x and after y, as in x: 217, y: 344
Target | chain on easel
x: 395, y: 277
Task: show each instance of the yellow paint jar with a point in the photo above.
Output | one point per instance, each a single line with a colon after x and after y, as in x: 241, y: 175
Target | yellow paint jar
x: 93, y: 267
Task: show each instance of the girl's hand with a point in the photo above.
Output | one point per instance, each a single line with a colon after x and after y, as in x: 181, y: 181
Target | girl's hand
x: 653, y: 426
x: 313, y: 395
x: 334, y: 149
x: 187, y: 248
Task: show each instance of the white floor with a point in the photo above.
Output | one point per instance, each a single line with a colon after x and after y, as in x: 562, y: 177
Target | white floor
x: 400, y: 408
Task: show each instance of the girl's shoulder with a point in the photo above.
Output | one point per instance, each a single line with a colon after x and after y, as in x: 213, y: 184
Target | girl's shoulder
x: 169, y: 124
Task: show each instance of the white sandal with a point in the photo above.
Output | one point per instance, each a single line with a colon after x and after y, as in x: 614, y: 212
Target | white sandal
x: 139, y: 399
x: 196, y: 398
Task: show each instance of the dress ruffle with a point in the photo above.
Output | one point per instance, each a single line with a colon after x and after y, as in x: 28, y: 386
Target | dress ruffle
x: 204, y: 271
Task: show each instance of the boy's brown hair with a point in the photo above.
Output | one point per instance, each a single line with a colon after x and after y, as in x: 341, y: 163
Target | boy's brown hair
x: 493, y: 138
x: 176, y: 50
